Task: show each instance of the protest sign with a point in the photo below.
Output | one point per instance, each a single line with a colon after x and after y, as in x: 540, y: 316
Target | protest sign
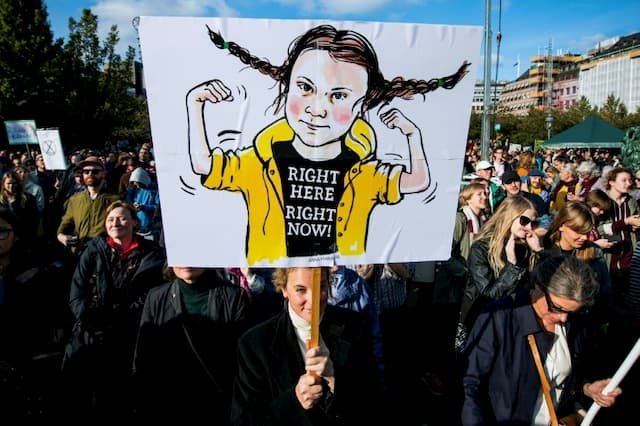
x: 51, y: 149
x: 283, y: 142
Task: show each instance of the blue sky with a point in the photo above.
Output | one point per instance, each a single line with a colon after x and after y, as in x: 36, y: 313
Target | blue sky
x: 527, y: 25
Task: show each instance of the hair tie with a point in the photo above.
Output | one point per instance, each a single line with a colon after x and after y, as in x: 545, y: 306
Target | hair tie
x: 225, y: 45
x: 441, y: 82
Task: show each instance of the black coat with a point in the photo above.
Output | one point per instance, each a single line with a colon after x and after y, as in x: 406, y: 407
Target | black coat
x: 107, y: 295
x: 270, y: 364
x: 167, y: 368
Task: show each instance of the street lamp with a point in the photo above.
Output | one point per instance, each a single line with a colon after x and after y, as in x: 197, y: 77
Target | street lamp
x: 548, y: 122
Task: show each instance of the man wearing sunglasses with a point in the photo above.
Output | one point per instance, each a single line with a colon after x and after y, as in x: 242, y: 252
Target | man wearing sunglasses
x: 512, y: 185
x: 86, y: 211
x: 500, y: 379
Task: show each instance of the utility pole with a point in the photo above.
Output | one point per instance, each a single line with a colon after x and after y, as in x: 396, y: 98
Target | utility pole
x: 486, y: 108
x: 548, y: 121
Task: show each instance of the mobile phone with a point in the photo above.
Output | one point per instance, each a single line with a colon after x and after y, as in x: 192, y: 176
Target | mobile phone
x: 613, y: 239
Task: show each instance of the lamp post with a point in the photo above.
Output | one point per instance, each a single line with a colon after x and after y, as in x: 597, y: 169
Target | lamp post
x: 548, y: 122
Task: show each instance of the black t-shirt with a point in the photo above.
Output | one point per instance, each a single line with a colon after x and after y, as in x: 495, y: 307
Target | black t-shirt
x: 311, y: 193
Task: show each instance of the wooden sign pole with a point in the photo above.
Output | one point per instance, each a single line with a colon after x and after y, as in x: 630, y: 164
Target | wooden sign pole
x: 314, y: 342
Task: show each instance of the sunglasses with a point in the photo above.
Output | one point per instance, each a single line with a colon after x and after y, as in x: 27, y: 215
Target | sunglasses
x: 524, y: 221
x: 91, y: 171
x: 555, y: 309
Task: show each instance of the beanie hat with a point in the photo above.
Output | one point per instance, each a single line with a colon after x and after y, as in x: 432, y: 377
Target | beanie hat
x: 141, y: 176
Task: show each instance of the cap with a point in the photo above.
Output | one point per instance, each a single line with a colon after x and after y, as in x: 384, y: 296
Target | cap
x: 91, y: 160
x: 510, y: 176
x: 141, y: 176
x: 535, y: 172
x: 483, y: 165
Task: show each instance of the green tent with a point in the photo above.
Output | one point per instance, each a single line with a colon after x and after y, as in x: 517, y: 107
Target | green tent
x: 593, y: 132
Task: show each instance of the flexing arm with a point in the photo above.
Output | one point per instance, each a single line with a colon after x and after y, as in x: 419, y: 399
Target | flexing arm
x: 417, y: 179
x: 213, y: 91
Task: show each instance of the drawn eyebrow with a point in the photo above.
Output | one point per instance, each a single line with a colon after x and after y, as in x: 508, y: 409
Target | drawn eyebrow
x: 231, y: 132
x: 307, y: 80
x: 341, y: 88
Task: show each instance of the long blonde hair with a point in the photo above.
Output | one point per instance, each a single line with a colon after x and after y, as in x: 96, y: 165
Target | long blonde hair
x: 579, y: 218
x: 497, y: 230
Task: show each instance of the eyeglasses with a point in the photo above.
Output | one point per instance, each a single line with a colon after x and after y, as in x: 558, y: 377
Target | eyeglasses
x: 91, y: 171
x: 5, y: 232
x: 524, y: 221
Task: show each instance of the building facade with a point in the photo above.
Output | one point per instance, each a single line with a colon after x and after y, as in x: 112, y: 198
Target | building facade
x: 477, y: 104
x: 613, y: 68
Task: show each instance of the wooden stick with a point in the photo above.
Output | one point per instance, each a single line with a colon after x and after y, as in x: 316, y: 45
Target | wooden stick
x: 314, y: 342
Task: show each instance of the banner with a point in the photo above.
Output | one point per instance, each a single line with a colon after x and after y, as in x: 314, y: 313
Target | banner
x: 20, y: 132
x: 51, y: 149
x: 284, y: 142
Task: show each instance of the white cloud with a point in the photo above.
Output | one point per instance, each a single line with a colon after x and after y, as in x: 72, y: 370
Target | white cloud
x: 122, y: 12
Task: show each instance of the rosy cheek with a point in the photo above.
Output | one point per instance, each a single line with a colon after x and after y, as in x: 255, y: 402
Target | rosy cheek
x: 343, y: 116
x: 294, y: 105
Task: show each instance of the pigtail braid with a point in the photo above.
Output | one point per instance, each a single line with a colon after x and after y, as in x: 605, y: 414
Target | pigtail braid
x: 407, y: 89
x: 245, y: 56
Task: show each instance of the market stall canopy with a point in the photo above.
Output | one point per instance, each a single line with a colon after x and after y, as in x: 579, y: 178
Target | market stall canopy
x: 593, y: 132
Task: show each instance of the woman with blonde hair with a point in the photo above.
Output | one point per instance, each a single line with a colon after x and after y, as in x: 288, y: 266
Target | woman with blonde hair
x: 500, y: 258
x: 569, y: 236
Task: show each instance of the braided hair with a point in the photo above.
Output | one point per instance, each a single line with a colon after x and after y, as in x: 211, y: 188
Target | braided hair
x: 346, y: 46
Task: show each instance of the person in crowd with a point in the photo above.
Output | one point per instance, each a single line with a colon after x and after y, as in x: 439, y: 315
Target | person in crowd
x: 551, y: 176
x: 123, y: 186
x: 598, y: 201
x: 45, y: 178
x: 500, y: 380
x: 499, y: 165
x: 185, y: 354
x: 536, y: 185
x: 108, y: 290
x: 484, y: 170
x: 144, y: 198
x: 85, y: 212
x: 282, y: 381
x: 601, y: 183
x: 23, y: 206
x: 512, y: 185
x: 30, y: 187
x: 565, y: 188
x: 635, y: 188
x: 623, y: 218
x: 526, y: 163
x: 569, y: 236
x: 499, y: 260
x: 588, y: 174
x: 350, y: 291
x: 451, y: 275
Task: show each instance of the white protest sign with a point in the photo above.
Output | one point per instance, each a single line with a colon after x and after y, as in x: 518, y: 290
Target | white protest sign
x: 51, y: 149
x: 284, y: 142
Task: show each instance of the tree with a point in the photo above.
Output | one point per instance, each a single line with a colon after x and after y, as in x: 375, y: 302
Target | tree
x: 614, y: 111
x: 28, y: 62
x: 100, y: 86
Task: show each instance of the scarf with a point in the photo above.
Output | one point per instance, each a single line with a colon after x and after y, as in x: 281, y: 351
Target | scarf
x: 473, y: 222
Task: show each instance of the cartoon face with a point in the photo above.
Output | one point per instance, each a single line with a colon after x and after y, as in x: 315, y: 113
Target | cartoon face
x: 323, y: 97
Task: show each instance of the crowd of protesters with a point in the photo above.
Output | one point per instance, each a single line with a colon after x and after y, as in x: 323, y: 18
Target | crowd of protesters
x: 94, y: 323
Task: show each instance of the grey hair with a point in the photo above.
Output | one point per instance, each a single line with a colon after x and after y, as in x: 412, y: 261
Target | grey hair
x: 567, y: 277
x: 569, y: 167
x: 587, y: 167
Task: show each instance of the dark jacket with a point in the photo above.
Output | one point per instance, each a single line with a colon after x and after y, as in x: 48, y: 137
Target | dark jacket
x: 170, y: 371
x: 483, y: 286
x: 501, y: 383
x: 107, y: 294
x: 270, y: 364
